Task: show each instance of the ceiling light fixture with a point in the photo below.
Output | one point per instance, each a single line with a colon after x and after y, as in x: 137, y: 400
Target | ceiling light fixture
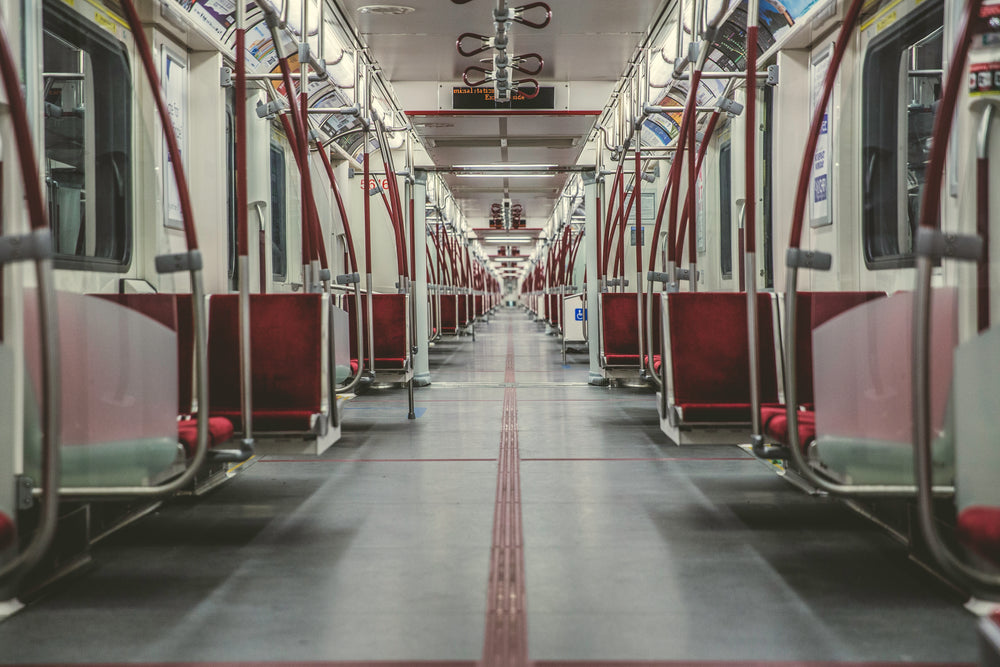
x: 513, y: 240
x: 505, y: 175
x: 387, y: 10
x: 505, y: 165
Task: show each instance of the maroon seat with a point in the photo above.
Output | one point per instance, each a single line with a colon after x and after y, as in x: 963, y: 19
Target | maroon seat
x: 814, y: 308
x: 391, y: 343
x: 480, y: 309
x: 220, y: 430
x: 286, y: 356
x: 174, y: 312
x: 8, y: 531
x: 979, y: 529
x: 619, y: 312
x: 463, y: 310
x: 710, y: 356
x: 449, y: 313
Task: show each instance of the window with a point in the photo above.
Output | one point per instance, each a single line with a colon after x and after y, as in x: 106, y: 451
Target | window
x: 88, y: 126
x: 279, y: 241
x: 902, y: 84
x: 725, y: 209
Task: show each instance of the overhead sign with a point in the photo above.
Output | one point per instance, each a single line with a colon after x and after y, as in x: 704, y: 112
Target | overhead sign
x: 482, y: 97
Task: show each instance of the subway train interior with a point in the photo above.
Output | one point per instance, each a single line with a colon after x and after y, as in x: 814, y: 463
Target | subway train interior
x: 499, y: 332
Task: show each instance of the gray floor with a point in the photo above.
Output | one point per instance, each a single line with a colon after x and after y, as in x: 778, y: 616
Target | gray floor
x: 379, y: 549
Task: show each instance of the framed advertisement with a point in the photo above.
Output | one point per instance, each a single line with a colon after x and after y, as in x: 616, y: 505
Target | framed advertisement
x: 821, y: 178
x: 174, y: 79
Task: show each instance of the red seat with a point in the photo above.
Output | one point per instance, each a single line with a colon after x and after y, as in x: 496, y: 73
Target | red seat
x: 286, y: 358
x: 619, y: 313
x: 710, y: 357
x: 979, y: 529
x: 220, y: 431
x: 8, y: 532
x: 449, y: 313
x: 390, y: 332
x: 355, y: 366
x: 774, y: 421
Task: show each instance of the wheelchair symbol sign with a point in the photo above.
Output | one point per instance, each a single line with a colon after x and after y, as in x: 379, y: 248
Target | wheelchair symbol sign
x: 580, y: 314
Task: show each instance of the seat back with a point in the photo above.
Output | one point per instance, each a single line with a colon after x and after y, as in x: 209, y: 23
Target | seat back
x: 619, y: 319
x: 449, y: 313
x: 390, y: 333
x: 286, y: 357
x: 708, y: 349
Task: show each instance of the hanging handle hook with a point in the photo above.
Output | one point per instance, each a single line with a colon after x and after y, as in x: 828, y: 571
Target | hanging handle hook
x: 517, y: 62
x: 520, y: 11
x: 487, y: 76
x: 519, y: 82
x: 485, y: 43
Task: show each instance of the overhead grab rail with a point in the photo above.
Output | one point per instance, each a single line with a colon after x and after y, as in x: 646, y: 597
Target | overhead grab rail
x: 37, y: 247
x: 190, y: 261
x: 932, y: 245
x: 797, y: 258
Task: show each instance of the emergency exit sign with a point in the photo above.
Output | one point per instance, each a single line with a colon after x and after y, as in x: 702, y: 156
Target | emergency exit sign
x: 482, y: 97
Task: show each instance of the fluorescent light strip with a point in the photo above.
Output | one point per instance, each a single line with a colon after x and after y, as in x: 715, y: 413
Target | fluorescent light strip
x: 505, y: 175
x: 511, y: 240
x: 505, y: 165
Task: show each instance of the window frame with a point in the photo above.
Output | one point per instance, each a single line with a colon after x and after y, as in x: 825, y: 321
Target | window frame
x: 881, y: 68
x: 726, y: 209
x: 68, y: 26
x: 277, y: 151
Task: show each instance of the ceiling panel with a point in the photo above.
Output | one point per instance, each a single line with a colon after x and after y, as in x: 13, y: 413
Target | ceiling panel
x: 586, y: 41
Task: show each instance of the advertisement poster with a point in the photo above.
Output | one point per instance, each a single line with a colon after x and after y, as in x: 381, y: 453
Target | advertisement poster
x: 174, y: 84
x: 820, y: 202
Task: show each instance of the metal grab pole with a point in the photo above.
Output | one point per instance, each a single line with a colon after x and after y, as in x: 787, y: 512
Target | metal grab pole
x: 750, y: 249
x: 48, y: 327
x: 243, y: 247
x: 985, y: 584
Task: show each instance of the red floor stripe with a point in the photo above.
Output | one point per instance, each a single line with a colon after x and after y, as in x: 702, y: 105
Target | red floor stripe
x: 374, y: 460
x: 506, y: 637
x: 664, y: 458
x: 741, y: 663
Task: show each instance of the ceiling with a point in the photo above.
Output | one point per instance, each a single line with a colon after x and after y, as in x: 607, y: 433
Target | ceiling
x: 585, y: 48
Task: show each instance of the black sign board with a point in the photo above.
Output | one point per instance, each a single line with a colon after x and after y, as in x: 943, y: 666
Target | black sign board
x: 482, y: 98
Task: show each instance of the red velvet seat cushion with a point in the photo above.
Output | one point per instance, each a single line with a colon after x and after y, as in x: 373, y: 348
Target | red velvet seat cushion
x: 220, y: 431
x: 979, y: 530
x: 8, y: 532
x: 774, y: 421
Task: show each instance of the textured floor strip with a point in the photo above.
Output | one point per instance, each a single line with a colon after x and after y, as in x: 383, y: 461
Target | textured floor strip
x: 506, y: 637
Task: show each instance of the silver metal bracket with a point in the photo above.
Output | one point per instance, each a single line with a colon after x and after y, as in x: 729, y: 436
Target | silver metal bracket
x: 270, y: 109
x: 658, y: 277
x: 226, y: 77
x: 182, y: 261
x: 685, y: 274
x: 25, y: 492
x: 772, y: 75
x: 349, y: 278
x: 26, y: 247
x: 797, y: 258
x: 732, y: 107
x: 324, y: 275
x: 936, y: 244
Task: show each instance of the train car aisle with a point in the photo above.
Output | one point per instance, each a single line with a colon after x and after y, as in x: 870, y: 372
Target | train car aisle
x: 601, y: 541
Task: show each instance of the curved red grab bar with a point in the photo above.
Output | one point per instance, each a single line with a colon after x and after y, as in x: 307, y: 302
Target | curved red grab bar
x: 517, y: 63
x: 487, y: 76
x: 519, y: 15
x: 484, y: 44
